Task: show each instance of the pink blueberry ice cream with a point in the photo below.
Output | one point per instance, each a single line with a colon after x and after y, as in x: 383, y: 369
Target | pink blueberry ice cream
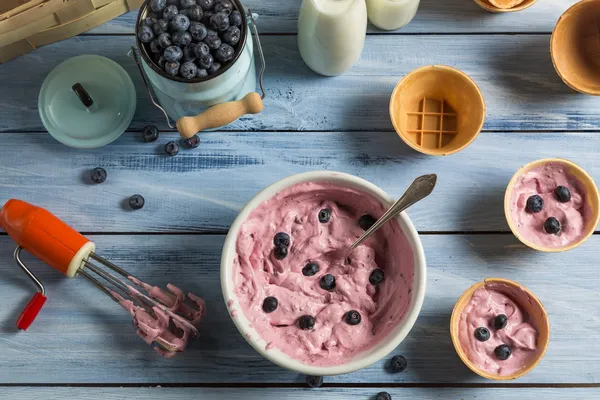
x: 308, y: 300
x: 553, y: 183
x: 493, y: 322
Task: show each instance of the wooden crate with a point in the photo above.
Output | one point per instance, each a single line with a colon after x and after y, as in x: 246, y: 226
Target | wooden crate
x: 27, y: 25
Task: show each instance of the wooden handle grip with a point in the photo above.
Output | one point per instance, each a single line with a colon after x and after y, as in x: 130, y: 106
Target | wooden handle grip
x: 220, y: 115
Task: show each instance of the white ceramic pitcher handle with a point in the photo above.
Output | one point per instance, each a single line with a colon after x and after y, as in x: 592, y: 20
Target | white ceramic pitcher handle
x: 220, y: 115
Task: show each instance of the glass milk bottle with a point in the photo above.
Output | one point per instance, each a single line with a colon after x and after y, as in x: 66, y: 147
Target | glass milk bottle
x: 391, y: 14
x: 331, y: 34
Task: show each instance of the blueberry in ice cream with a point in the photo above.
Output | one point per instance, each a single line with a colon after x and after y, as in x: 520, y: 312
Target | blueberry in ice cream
x: 324, y: 215
x: 482, y: 334
x: 270, y: 304
x: 563, y: 194
x: 366, y: 221
x: 552, y: 226
x: 310, y: 269
x: 502, y: 352
x: 500, y: 321
x: 353, y: 317
x: 376, y: 277
x: 280, y: 252
x: 327, y: 282
x: 306, y: 322
x: 535, y: 204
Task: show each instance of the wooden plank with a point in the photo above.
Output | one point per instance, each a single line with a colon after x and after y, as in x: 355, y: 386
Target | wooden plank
x: 49, y: 393
x: 81, y: 336
x: 203, y: 190
x: 434, y: 16
x: 515, y: 73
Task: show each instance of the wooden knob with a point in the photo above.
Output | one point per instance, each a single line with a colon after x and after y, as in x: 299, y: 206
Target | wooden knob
x: 220, y: 115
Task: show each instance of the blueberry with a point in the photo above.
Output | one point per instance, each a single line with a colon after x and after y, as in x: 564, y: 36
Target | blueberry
x: 232, y: 35
x: 482, y: 334
x: 160, y: 26
x: 306, y: 322
x: 206, y: 4
x: 383, y: 396
x: 170, y: 11
x: 327, y: 282
x: 376, y: 277
x: 172, y: 148
x: 270, y: 304
x: 201, y: 73
x: 187, y: 3
x: 212, y: 41
x: 563, y: 194
x: 280, y: 252
x: 207, y: 16
x: 235, y: 18
x: 160, y: 61
x: 189, y: 53
x: 535, y: 204
x: 150, y: 19
x: 310, y: 269
x: 164, y: 40
x: 220, y: 21
x: 224, y: 6
x: 98, y: 175
x: 366, y: 221
x: 281, y: 239
x: 552, y: 226
x: 214, y: 68
x: 157, y: 5
x: 155, y: 47
x: 179, y: 23
x: 202, y: 49
x: 173, y: 53
x: 224, y: 53
x: 145, y: 34
x: 502, y: 352
x: 314, y: 381
x: 198, y: 31
x: 172, y: 68
x: 500, y: 321
x: 324, y: 215
x: 136, y: 201
x: 150, y: 133
x: 210, y: 32
x: 398, y: 364
x: 193, y: 142
x: 353, y: 317
x: 205, y: 61
x: 188, y: 70
x: 195, y: 13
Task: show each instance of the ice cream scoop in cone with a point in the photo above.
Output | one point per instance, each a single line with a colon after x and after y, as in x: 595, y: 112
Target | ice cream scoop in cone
x: 499, y: 6
x: 437, y: 110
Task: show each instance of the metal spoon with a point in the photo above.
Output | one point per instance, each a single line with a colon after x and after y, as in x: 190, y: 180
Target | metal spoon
x: 418, y: 190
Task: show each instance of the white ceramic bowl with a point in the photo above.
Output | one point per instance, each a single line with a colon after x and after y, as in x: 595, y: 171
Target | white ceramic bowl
x: 361, y: 360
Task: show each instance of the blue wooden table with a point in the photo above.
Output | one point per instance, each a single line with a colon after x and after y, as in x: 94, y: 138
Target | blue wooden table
x: 83, y: 345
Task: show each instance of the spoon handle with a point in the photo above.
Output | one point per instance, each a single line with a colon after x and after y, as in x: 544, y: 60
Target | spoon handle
x: 418, y: 190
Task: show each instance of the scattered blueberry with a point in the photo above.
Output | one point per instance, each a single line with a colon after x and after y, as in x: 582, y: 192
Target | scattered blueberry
x: 201, y: 49
x: 136, y: 201
x: 324, y: 215
x: 150, y: 133
x: 306, y: 322
x: 220, y: 21
x: 198, y: 31
x: 270, y: 304
x: 535, y: 204
x: 314, y: 381
x: 376, y: 277
x: 155, y: 47
x: 212, y: 41
x: 224, y: 53
x: 195, y: 13
x: 235, y: 18
x: 158, y: 5
x: 172, y: 148
x: 280, y: 252
x: 366, y: 221
x: 188, y: 70
x: 173, y: 53
x: 179, y: 23
x: 145, y: 34
x: 398, y: 364
x: 201, y: 73
x: 172, y: 68
x: 327, y: 282
x: 189, y: 53
x: 500, y: 321
x: 160, y: 26
x: 187, y: 3
x: 232, y: 35
x: 310, y: 269
x: 502, y: 352
x: 563, y: 194
x: 353, y: 317
x: 194, y: 141
x: 552, y: 226
x: 214, y: 68
x: 98, y: 175
x: 224, y: 6
x: 169, y: 12
x: 205, y: 60
x: 164, y: 40
x: 182, y: 38
x: 482, y: 334
x: 383, y: 396
x: 281, y: 239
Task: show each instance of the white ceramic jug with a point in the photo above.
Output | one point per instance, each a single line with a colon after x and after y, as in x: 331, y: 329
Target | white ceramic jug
x: 391, y: 14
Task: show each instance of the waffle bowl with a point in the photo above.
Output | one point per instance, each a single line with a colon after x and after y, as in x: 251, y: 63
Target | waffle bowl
x: 437, y: 110
x: 498, y: 7
x: 526, y: 301
x: 575, y: 47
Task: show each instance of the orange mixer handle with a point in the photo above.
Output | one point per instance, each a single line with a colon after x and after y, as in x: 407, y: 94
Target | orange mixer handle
x: 45, y: 236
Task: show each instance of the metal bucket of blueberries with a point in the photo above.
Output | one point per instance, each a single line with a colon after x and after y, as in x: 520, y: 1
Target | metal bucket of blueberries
x: 198, y: 55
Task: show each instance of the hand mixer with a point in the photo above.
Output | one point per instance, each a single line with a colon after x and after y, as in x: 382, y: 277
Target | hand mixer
x: 163, y: 319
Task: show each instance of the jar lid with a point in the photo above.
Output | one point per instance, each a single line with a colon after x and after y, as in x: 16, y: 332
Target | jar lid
x: 87, y: 101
